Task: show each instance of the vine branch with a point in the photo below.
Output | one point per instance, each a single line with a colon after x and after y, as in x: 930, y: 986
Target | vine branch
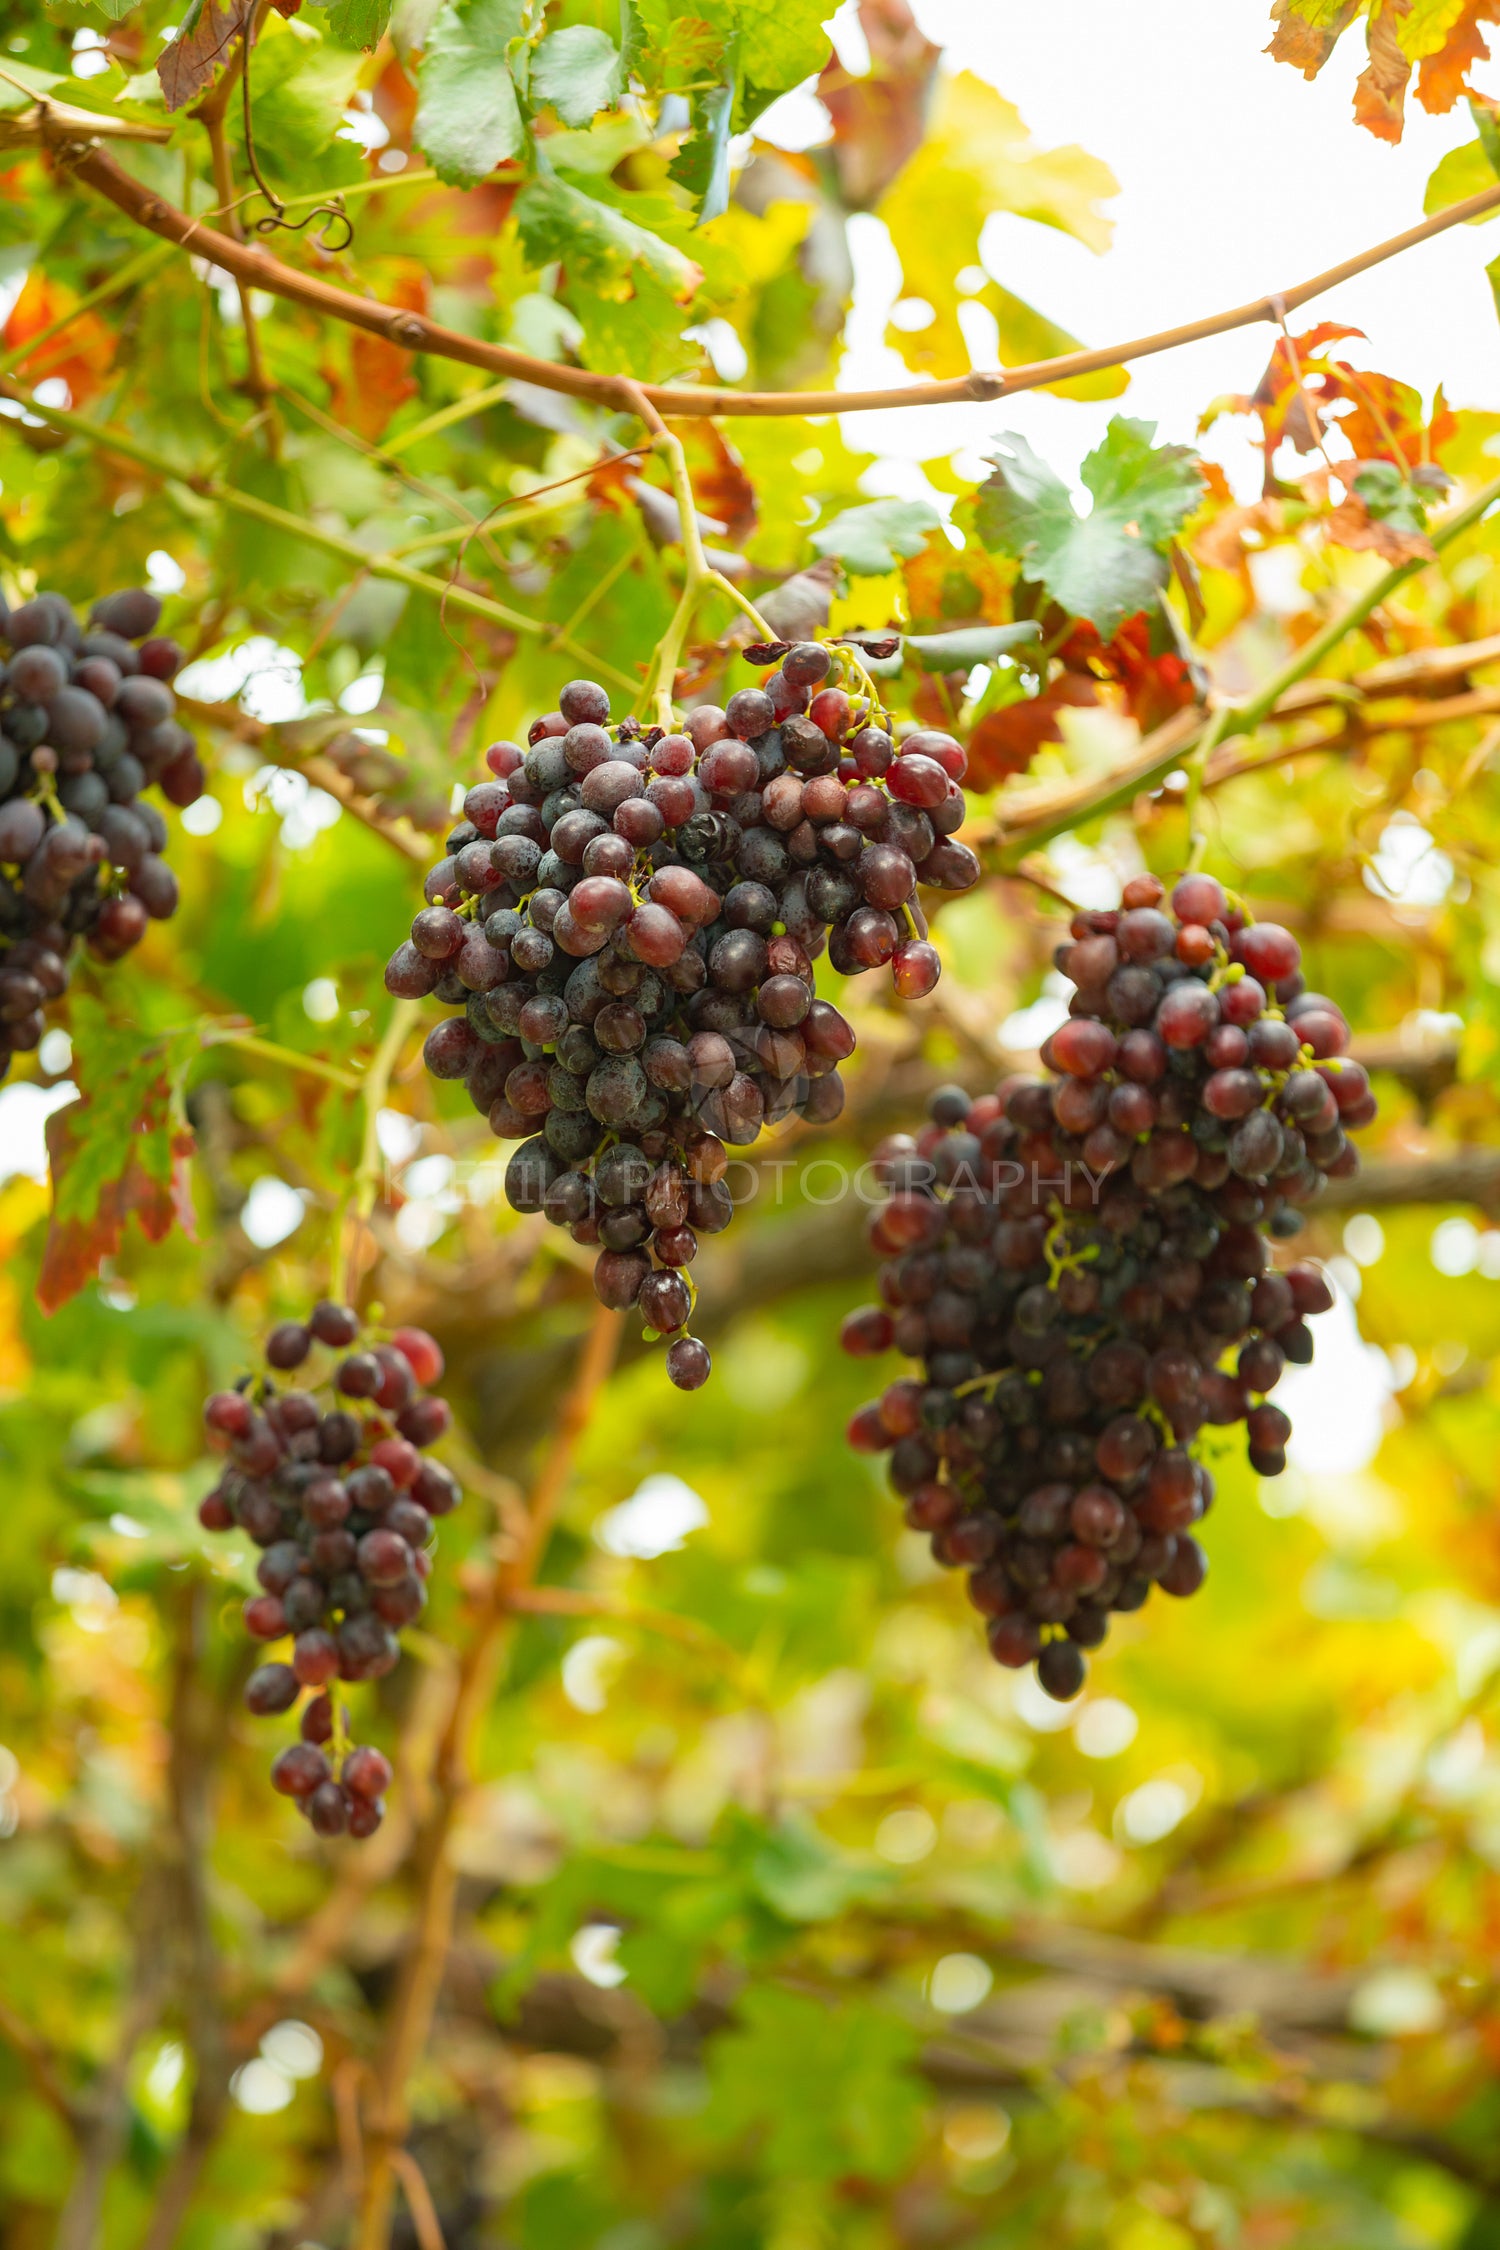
x: 209, y: 487
x: 413, y: 332
x: 1037, y: 816
x: 410, y: 2021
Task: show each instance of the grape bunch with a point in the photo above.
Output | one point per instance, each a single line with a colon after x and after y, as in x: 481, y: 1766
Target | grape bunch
x: 331, y: 1485
x: 628, y: 920
x: 86, y: 723
x: 1083, y: 1265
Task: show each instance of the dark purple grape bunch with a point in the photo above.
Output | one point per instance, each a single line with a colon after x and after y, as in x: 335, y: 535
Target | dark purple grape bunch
x: 329, y: 1480
x: 1082, y: 1263
x: 628, y: 920
x: 86, y: 724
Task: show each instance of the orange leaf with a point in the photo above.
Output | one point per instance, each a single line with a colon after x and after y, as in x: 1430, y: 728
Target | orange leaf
x: 944, y: 588
x: 1352, y: 525
x: 1442, y: 77
x: 379, y: 378
x: 720, y: 484
x: 1304, y: 45
x: 1380, y: 90
x: 81, y: 354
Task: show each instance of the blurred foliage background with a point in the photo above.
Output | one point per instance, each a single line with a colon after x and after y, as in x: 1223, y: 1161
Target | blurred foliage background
x: 783, y: 1918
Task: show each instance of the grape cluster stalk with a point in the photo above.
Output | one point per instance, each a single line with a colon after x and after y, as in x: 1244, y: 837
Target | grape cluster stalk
x: 86, y: 724
x: 628, y: 919
x: 330, y: 1483
x: 1083, y: 1265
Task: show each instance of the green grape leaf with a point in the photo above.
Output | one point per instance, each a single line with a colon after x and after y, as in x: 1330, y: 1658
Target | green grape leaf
x: 579, y: 71
x: 302, y: 89
x: 468, y: 119
x: 600, y: 246
x: 701, y: 165
x: 781, y: 43
x: 1112, y: 562
x: 357, y: 23
x: 972, y: 644
x: 121, y: 1150
x: 869, y: 540
x: 828, y: 2090
x: 22, y: 83
x: 671, y: 45
x: 204, y: 39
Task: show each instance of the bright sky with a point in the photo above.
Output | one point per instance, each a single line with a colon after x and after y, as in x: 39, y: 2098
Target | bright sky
x: 1236, y: 177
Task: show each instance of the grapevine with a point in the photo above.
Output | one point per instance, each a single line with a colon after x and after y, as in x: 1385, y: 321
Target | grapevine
x: 1082, y: 1263
x: 628, y: 917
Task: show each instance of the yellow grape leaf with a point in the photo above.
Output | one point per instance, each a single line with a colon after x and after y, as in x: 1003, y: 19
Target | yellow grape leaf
x: 1027, y: 335
x: 1463, y: 172
x: 979, y: 158
x: 1424, y: 29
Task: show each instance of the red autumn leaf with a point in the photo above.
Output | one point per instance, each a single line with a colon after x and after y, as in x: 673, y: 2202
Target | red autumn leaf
x: 1005, y: 741
x: 938, y: 698
x: 120, y: 1151
x: 878, y: 120
x: 1154, y: 676
x: 1386, y: 423
x: 205, y: 40
x: 723, y: 488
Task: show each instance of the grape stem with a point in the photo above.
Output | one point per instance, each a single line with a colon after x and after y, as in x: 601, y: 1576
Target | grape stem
x: 698, y: 573
x: 269, y: 1050
x: 410, y: 2022
x: 353, y: 1218
x: 1196, y: 764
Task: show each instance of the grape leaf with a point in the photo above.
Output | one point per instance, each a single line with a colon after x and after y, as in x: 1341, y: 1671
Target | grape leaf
x: 868, y: 540
x: 701, y: 165
x: 978, y: 158
x: 357, y: 23
x: 578, y: 70
x: 781, y: 43
x: 1112, y: 562
x: 121, y: 1149
x: 468, y: 119
x: 961, y: 650
x: 599, y: 245
x: 830, y: 2088
x: 203, y: 42
x: 1464, y: 171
